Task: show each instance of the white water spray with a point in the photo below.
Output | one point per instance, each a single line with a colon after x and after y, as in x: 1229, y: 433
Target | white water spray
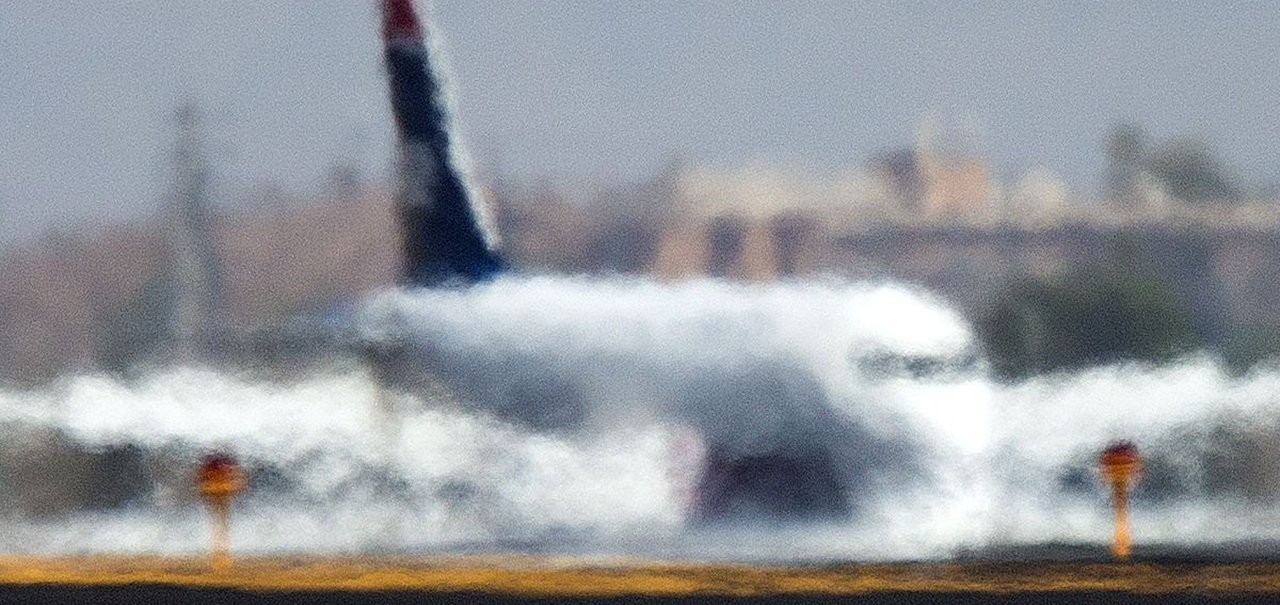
x: 566, y: 415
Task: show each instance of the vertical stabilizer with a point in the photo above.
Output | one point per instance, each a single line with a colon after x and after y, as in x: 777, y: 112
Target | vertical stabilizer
x: 443, y: 241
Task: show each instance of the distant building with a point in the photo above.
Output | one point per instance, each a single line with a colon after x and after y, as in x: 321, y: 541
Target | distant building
x: 953, y: 168
x: 900, y: 170
x: 954, y: 185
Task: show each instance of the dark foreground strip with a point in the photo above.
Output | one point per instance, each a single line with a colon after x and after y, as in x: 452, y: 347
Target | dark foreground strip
x: 152, y: 594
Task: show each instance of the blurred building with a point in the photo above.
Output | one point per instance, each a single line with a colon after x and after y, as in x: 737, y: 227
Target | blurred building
x: 106, y: 299
x: 953, y: 167
x: 944, y: 174
x: 953, y: 185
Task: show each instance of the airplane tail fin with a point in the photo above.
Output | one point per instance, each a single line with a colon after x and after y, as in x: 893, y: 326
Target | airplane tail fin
x: 443, y: 240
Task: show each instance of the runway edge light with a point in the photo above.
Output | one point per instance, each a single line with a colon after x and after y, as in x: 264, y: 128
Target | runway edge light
x: 219, y: 480
x: 1120, y: 464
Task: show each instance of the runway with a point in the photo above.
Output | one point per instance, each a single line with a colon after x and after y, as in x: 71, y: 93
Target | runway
x: 543, y: 579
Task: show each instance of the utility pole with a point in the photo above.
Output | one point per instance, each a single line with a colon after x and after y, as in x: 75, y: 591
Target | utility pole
x: 198, y: 292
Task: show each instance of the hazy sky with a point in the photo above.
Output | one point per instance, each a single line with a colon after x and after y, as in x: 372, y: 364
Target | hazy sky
x: 592, y: 91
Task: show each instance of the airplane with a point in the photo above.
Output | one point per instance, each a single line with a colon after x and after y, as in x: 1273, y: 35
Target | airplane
x: 804, y: 464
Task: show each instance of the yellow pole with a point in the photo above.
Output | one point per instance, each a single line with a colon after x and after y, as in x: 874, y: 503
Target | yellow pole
x: 219, y: 479
x: 220, y: 554
x: 1120, y: 502
x: 1120, y: 464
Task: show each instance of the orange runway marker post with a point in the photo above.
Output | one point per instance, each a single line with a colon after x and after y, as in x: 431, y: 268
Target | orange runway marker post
x: 1120, y: 464
x: 219, y: 479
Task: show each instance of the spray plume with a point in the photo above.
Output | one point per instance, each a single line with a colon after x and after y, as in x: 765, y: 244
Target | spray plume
x: 588, y: 450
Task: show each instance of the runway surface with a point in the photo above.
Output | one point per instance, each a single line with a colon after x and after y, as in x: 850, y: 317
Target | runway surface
x: 542, y: 579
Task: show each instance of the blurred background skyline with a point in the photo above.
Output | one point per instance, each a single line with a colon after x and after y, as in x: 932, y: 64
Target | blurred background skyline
x: 1086, y: 183
x: 583, y: 96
